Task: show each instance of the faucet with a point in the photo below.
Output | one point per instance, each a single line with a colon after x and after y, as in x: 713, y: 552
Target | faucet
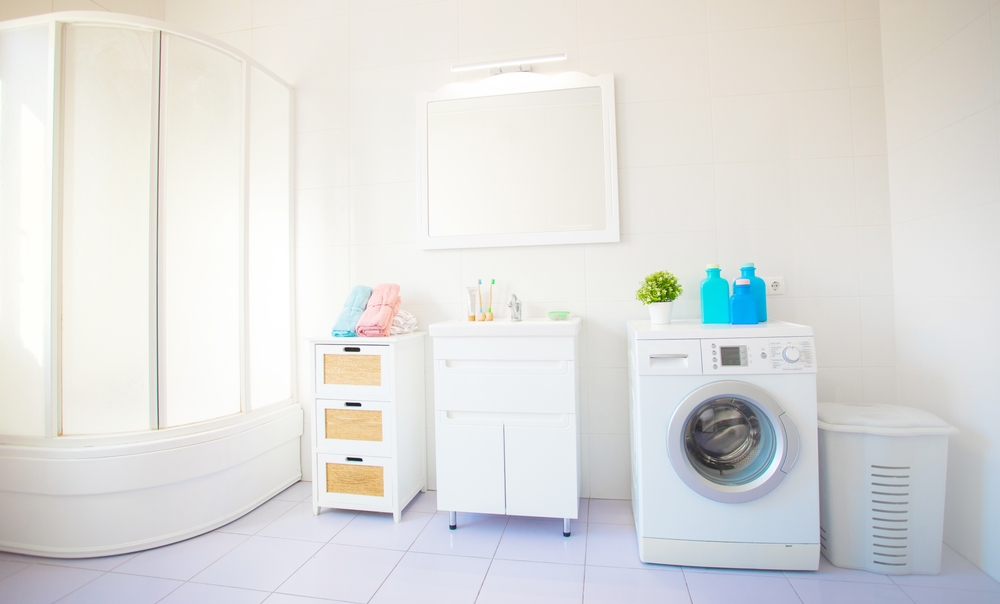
x: 515, y: 308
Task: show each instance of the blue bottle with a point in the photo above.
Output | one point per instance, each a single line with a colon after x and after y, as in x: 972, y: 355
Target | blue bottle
x: 714, y: 296
x: 743, y: 306
x: 757, y: 289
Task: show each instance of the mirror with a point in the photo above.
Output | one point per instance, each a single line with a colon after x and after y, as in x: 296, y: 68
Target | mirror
x: 518, y: 159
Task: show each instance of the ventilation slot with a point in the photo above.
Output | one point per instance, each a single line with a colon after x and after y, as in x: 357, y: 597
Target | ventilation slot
x: 822, y: 537
x: 890, y: 498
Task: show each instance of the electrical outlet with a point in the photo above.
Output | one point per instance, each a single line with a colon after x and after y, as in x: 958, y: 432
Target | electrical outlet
x: 775, y: 286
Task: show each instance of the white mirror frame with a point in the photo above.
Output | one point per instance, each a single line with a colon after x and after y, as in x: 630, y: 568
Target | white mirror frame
x: 519, y: 83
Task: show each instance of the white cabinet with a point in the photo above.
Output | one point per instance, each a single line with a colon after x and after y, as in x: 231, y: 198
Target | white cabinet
x: 506, y: 401
x: 369, y: 427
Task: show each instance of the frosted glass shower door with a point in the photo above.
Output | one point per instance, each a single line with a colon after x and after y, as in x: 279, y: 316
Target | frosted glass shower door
x: 25, y: 229
x: 108, y: 229
x: 200, y: 232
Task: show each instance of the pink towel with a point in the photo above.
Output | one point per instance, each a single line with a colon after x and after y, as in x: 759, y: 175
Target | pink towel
x: 382, y: 307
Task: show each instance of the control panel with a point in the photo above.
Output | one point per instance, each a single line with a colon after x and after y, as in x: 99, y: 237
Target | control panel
x: 757, y: 355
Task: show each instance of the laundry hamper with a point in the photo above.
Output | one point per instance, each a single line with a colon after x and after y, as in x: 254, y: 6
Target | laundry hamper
x: 882, y: 475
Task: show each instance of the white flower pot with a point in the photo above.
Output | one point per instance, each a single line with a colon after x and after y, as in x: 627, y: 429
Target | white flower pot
x: 659, y: 312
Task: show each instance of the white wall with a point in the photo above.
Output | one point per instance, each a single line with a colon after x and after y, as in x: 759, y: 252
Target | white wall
x: 13, y: 9
x: 747, y: 132
x: 942, y: 73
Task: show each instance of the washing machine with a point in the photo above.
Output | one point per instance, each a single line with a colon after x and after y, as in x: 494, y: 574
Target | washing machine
x: 724, y: 444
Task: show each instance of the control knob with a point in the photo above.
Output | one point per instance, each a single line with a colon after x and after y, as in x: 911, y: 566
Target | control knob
x: 790, y: 354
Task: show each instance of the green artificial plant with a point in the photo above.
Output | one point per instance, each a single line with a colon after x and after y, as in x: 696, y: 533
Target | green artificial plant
x: 661, y: 286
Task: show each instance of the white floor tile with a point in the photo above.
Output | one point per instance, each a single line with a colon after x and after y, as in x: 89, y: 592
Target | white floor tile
x: 102, y: 563
x: 541, y: 540
x: 277, y: 598
x: 40, y: 584
x: 195, y: 593
x: 956, y: 573
x: 299, y: 523
x: 605, y: 585
x: 370, y: 529
x: 341, y: 572
x: 719, y: 588
x: 182, y: 560
x: 845, y: 592
x: 112, y: 588
x: 477, y: 535
x: 259, y: 518
x: 611, y: 511
x: 259, y: 563
x: 614, y: 545
x: 300, y: 491
x: 829, y: 572
x: 532, y: 582
x: 934, y: 595
x: 433, y: 579
x: 424, y: 502
x: 9, y: 567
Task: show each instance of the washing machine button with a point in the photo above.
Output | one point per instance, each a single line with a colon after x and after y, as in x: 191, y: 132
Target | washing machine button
x: 790, y: 354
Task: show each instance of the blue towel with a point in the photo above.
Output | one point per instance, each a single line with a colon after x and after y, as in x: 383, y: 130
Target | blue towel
x: 355, y: 304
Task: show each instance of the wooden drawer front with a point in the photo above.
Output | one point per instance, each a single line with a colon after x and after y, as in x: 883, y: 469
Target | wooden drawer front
x: 354, y: 427
x: 356, y: 481
x: 347, y: 371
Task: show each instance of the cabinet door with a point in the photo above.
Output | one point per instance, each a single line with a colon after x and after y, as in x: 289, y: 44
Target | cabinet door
x: 540, y: 453
x: 470, y: 470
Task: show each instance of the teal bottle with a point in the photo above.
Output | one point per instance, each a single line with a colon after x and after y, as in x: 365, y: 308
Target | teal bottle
x: 757, y: 289
x: 714, y: 296
x: 743, y: 306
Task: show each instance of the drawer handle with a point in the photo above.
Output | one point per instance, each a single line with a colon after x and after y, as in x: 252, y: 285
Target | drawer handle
x: 351, y: 349
x: 352, y: 404
x: 354, y: 459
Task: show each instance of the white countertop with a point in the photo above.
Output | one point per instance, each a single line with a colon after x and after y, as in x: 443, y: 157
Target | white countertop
x: 505, y: 327
x: 364, y: 340
x: 696, y: 329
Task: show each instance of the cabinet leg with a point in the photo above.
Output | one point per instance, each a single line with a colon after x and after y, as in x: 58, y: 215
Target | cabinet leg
x: 315, y: 510
x: 452, y: 520
x: 566, y: 527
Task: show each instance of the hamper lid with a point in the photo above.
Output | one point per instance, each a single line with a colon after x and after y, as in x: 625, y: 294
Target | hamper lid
x: 889, y: 420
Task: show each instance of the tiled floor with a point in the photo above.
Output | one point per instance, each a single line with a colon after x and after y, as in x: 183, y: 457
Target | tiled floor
x: 281, y: 554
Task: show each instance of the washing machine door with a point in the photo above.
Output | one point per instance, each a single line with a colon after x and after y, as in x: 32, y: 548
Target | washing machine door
x: 731, y: 442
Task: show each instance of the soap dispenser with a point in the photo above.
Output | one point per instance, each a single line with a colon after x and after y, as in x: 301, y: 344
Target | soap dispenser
x: 743, y: 306
x: 757, y: 289
x: 714, y: 296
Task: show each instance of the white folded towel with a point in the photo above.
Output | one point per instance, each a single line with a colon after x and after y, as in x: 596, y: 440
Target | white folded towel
x: 402, y: 322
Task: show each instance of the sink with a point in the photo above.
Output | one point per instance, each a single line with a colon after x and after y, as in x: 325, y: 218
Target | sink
x: 505, y: 327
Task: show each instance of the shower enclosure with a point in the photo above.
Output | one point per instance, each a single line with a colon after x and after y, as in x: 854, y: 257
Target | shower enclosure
x: 146, y: 354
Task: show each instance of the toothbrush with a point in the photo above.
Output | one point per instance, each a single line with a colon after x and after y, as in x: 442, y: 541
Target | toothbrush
x: 489, y: 309
x: 480, y: 316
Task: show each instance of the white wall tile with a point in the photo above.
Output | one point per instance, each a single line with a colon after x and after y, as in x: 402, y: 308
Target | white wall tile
x: 293, y: 50
x: 779, y: 59
x: 605, y: 341
x: 384, y: 213
x: 839, y: 385
x: 738, y: 14
x: 667, y: 199
x: 951, y: 83
x: 15, y: 9
x: 154, y: 9
x: 662, y: 133
x: 879, y: 385
x: 60, y: 5
x: 878, y: 332
x: 321, y: 275
x: 609, y: 457
x: 602, y: 21
x: 875, y: 274
x: 864, y: 51
x: 322, y: 217
x: 405, y: 34
x: 424, y: 277
x: 384, y: 95
x: 241, y: 40
x: 794, y: 125
x: 607, y: 400
x: 383, y: 153
x: 321, y: 159
x: 490, y: 26
x: 322, y: 101
x: 871, y: 186
x: 549, y: 273
x: 276, y: 12
x: 912, y: 29
x: 214, y: 17
x: 862, y: 9
x: 652, y: 69
x: 836, y: 323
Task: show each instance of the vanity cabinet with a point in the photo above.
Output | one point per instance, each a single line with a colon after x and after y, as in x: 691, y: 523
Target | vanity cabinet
x: 506, y: 403
x: 369, y: 434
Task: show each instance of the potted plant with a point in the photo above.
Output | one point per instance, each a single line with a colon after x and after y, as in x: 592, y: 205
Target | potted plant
x: 658, y: 292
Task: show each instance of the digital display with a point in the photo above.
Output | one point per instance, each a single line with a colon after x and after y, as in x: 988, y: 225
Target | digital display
x: 731, y: 355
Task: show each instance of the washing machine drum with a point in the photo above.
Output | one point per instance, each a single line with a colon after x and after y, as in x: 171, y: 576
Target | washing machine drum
x: 731, y: 442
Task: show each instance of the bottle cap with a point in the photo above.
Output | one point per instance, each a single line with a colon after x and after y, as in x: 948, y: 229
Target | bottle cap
x: 711, y: 266
x: 747, y: 265
x: 742, y: 282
